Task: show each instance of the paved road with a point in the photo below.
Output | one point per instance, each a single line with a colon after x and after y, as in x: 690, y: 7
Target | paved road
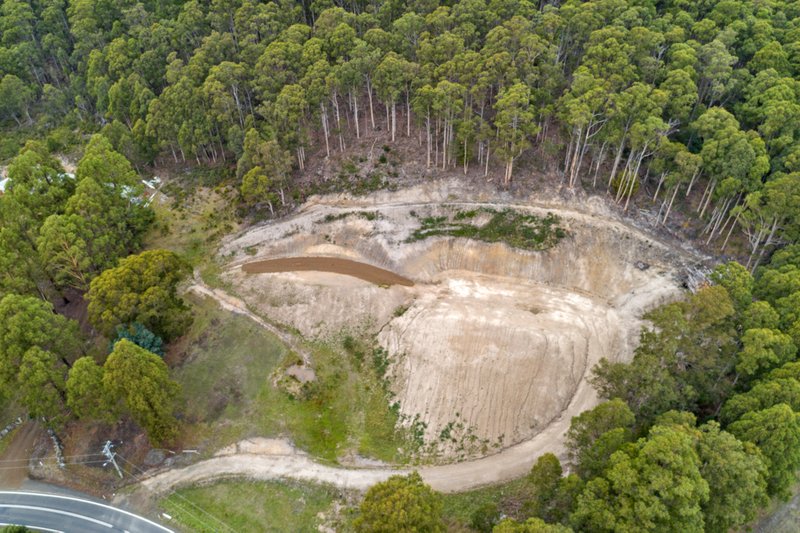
x: 56, y: 512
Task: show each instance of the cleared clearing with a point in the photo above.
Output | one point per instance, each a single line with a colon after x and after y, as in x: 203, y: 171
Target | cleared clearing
x: 492, y: 344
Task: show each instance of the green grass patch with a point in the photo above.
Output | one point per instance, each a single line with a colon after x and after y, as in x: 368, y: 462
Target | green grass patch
x: 193, y: 225
x: 460, y: 508
x: 528, y: 232
x: 228, y: 370
x: 5, y: 441
x: 330, y: 217
x: 250, y: 506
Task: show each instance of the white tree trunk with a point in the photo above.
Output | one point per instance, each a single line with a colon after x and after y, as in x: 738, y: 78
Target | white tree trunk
x: 324, y: 117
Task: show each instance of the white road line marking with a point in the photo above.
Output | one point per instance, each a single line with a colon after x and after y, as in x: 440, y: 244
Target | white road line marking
x: 56, y: 511
x: 38, y: 528
x: 59, y: 496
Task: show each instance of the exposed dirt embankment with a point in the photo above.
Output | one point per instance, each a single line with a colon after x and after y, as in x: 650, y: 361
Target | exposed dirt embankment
x: 492, y: 344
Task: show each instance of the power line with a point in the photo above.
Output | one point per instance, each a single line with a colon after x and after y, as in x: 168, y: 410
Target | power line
x: 225, y: 525
x: 65, y: 457
x: 25, y: 466
x: 184, y: 499
x: 110, y: 455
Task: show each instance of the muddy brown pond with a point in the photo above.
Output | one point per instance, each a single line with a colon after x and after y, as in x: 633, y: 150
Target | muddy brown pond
x: 337, y: 265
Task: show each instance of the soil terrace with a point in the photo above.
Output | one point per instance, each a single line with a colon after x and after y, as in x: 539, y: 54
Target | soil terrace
x: 336, y: 265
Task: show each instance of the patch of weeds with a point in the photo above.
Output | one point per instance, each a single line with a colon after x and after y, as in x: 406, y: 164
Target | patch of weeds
x: 382, y: 159
x: 381, y: 361
x: 433, y: 222
x: 400, y: 310
x: 446, y: 432
x: 461, y: 508
x: 330, y: 217
x: 349, y: 167
x: 354, y: 348
x: 291, y: 233
x: 461, y: 215
x: 528, y: 232
x: 250, y: 250
x: 416, y: 430
x: 354, y: 184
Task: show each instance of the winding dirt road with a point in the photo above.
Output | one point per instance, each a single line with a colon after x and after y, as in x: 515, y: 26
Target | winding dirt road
x: 288, y: 463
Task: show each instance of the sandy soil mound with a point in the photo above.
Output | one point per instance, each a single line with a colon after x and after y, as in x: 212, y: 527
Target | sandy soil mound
x: 491, y: 343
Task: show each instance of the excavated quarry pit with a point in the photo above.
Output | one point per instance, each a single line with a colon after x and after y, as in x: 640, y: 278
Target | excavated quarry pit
x: 491, y: 343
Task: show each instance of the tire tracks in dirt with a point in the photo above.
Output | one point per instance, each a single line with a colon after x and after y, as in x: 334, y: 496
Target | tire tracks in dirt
x: 235, y: 305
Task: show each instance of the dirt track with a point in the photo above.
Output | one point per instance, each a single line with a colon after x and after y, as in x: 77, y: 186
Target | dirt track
x: 336, y: 265
x: 15, y: 457
x: 284, y: 462
x: 235, y: 305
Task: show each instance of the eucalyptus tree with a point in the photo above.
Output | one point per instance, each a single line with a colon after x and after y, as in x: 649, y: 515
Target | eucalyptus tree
x: 515, y: 121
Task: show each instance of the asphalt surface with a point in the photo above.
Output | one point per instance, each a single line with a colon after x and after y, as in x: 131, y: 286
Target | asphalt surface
x: 57, y: 512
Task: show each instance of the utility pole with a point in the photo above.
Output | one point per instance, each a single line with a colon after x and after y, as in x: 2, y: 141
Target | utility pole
x: 111, y: 457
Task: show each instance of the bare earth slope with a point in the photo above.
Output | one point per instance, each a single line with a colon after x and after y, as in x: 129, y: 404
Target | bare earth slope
x: 497, y: 339
x: 492, y: 343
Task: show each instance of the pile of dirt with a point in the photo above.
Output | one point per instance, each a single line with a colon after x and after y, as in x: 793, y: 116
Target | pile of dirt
x: 491, y: 344
x: 336, y: 265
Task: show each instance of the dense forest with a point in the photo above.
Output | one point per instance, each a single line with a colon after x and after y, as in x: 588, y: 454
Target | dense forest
x: 698, y: 100
x: 688, y: 95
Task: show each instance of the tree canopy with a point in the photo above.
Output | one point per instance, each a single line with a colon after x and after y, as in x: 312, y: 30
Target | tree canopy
x: 143, y: 289
x: 139, y: 380
x: 401, y: 503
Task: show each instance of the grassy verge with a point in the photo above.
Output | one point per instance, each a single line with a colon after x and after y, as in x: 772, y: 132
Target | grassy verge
x: 528, y: 232
x: 460, y: 508
x: 251, y: 506
x: 5, y: 441
x: 226, y: 366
